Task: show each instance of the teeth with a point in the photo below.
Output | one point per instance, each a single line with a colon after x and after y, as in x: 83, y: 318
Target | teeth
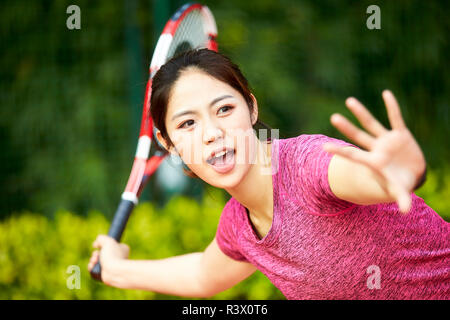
x: 220, y: 154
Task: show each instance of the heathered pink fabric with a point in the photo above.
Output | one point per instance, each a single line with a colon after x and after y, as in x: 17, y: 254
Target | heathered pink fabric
x: 321, y: 247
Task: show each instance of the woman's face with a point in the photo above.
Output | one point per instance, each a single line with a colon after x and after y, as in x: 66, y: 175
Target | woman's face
x: 205, y: 119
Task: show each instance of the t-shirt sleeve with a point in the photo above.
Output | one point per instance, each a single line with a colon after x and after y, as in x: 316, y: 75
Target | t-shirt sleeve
x: 309, y: 174
x: 226, y: 235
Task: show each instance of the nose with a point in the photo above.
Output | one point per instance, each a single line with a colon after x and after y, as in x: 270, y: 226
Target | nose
x: 211, y: 134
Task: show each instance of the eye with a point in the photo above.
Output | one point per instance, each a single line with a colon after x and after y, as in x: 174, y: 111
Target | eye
x: 183, y: 125
x: 226, y: 108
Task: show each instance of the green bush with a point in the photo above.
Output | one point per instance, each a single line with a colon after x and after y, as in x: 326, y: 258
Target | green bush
x: 436, y: 190
x: 35, y: 251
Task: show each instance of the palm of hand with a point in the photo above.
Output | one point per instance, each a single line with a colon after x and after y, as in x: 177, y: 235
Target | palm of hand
x: 393, y: 154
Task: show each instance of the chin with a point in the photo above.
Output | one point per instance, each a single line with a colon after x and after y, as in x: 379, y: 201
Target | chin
x: 227, y: 180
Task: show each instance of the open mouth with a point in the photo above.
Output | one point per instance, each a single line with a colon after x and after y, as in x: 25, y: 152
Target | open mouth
x: 223, y: 161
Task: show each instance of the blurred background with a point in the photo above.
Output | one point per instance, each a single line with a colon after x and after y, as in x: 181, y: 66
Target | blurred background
x: 71, y: 104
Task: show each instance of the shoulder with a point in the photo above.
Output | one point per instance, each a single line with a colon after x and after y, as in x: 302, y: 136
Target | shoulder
x: 232, y: 205
x: 303, y: 174
x: 301, y: 141
x: 307, y: 143
x: 232, y: 210
x: 305, y: 140
x: 229, y: 230
x: 231, y: 221
x: 302, y: 147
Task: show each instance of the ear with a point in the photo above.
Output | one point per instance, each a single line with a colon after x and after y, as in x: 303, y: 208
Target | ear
x: 254, y: 115
x: 163, y: 142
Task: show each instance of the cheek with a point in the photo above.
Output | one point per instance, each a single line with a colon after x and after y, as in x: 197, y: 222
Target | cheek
x: 240, y: 120
x: 188, y: 145
x: 244, y: 140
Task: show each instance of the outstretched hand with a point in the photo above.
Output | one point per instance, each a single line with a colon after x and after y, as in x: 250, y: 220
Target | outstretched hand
x: 393, y: 154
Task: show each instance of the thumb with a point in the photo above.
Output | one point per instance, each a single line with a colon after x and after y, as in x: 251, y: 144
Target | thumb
x: 404, y: 202
x: 125, y: 248
x: 100, y: 241
x: 403, y: 198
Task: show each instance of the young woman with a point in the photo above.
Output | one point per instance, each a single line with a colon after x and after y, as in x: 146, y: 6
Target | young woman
x: 327, y: 221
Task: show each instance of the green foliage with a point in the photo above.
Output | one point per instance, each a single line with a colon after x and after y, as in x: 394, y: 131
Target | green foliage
x: 435, y: 192
x: 35, y: 251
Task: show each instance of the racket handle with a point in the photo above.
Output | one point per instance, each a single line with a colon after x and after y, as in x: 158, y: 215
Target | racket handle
x: 120, y: 219
x: 96, y: 272
x: 115, y: 231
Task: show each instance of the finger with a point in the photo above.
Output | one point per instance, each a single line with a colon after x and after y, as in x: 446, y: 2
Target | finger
x: 403, y: 199
x: 348, y: 152
x: 100, y: 241
x: 393, y: 110
x: 90, y: 265
x: 94, y: 258
x: 404, y: 203
x: 94, y: 255
x: 365, y: 117
x: 355, y: 134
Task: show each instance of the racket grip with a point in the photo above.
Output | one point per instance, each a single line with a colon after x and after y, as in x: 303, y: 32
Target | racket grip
x: 96, y: 272
x: 120, y: 219
x: 115, y: 230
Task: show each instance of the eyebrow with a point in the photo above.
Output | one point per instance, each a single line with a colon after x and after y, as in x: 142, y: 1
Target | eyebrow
x: 210, y: 105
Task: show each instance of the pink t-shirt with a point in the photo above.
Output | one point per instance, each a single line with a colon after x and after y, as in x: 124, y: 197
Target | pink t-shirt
x: 322, y: 247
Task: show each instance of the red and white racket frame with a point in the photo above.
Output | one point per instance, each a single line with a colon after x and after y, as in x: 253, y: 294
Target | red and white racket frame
x: 144, y: 167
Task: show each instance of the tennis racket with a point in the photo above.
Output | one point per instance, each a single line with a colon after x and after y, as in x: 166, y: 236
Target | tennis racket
x: 192, y: 26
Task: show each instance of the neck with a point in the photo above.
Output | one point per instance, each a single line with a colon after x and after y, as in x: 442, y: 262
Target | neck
x: 255, y: 191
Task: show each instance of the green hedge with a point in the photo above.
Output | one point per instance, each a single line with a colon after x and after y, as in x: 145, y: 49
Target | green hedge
x: 35, y: 252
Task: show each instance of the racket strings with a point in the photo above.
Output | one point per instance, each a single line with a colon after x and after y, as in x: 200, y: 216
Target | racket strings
x: 190, y: 34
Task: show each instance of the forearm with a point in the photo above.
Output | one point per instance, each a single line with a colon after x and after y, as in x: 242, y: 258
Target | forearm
x: 358, y: 183
x: 178, y: 275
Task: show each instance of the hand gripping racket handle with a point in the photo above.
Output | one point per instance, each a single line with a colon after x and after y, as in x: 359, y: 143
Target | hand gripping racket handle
x: 115, y: 231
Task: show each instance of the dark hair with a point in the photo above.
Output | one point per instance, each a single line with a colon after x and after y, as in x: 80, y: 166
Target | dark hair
x: 208, y: 61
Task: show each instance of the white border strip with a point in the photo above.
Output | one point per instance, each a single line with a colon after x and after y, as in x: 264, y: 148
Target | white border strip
x: 130, y: 196
x: 143, y: 147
